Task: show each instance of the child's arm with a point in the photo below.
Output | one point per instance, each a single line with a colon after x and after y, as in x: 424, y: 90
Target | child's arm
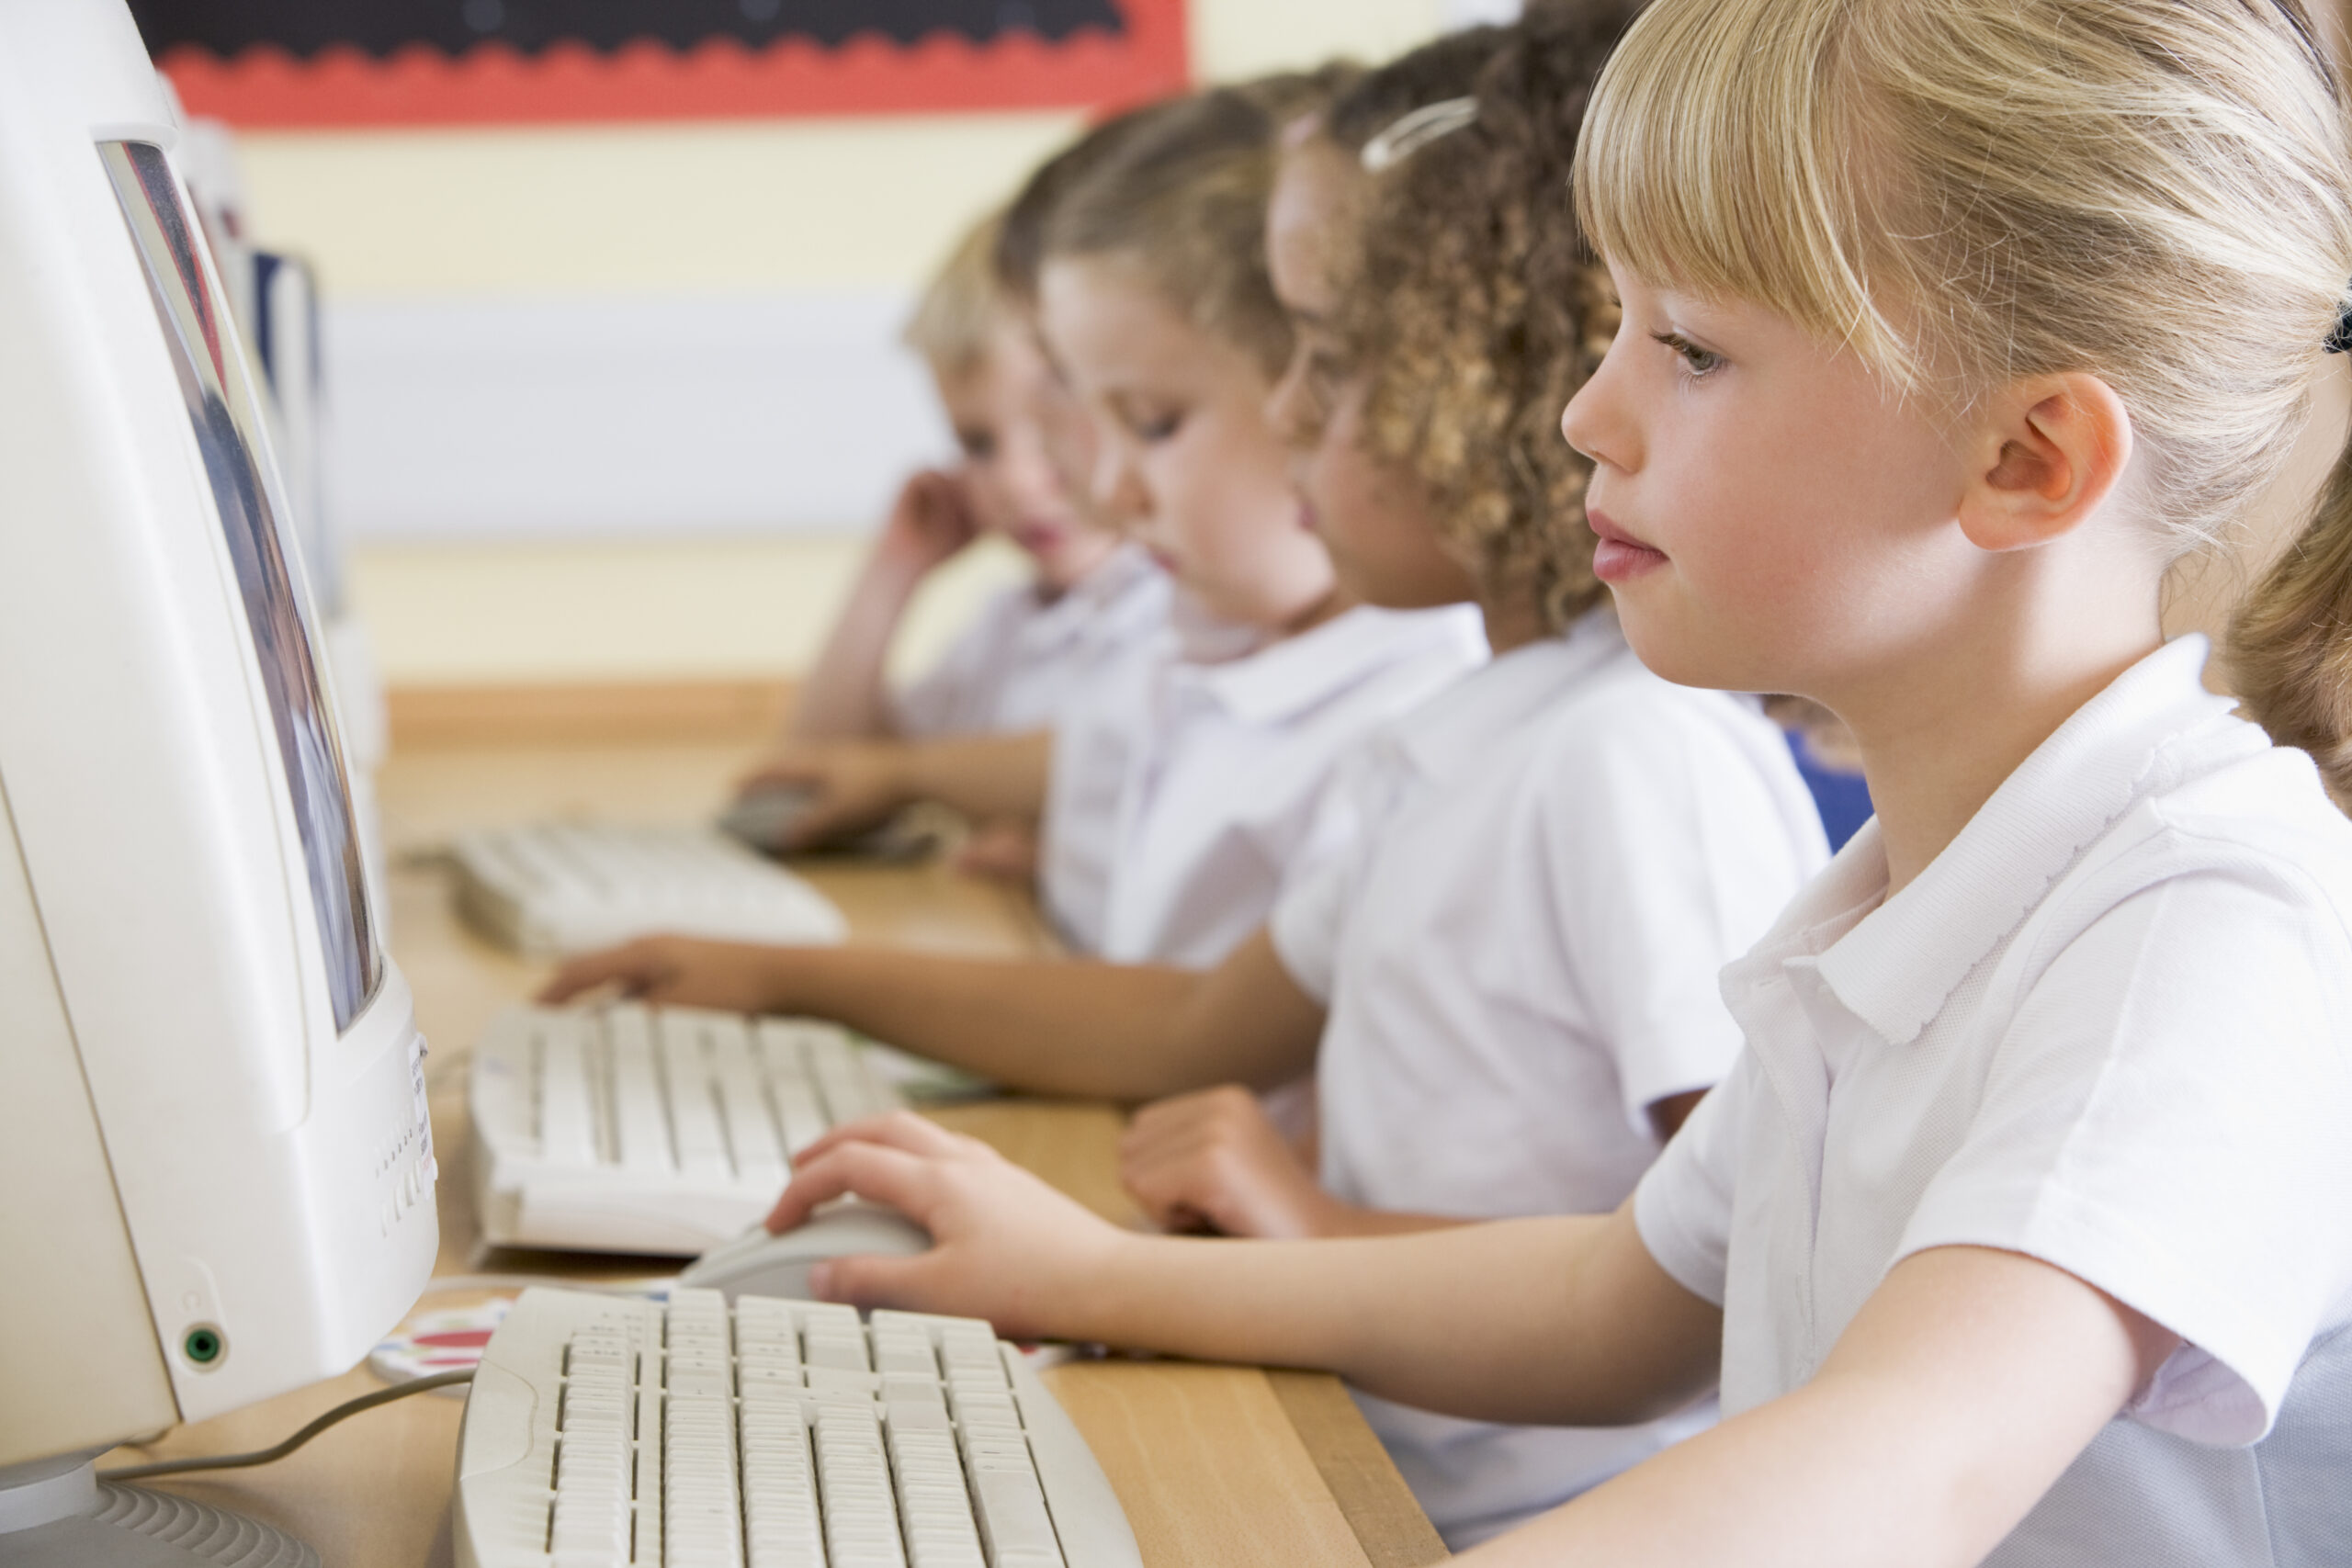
x: 1099, y: 1031
x: 1954, y: 1401
x: 846, y: 695
x: 1564, y: 1320
x: 1955, y: 1398
x: 857, y: 785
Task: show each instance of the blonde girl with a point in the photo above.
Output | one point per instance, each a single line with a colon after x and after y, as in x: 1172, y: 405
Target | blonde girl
x: 1032, y: 651
x: 2022, y: 1231
x: 1012, y: 670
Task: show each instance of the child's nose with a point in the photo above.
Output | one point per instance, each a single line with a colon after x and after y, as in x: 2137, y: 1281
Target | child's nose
x: 1117, y: 488
x: 1595, y: 422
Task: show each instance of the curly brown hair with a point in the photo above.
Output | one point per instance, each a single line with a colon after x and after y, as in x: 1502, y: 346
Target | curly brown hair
x: 1474, y: 309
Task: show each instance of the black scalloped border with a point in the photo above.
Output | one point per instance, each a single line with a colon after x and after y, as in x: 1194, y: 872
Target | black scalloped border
x: 380, y: 27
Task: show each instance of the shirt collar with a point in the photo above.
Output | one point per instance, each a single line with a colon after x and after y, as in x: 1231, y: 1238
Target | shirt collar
x: 1894, y: 967
x: 1289, y: 677
x: 1058, y: 622
x: 1441, y: 738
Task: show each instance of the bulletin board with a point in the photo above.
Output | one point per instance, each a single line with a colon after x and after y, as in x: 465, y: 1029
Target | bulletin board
x: 417, y: 63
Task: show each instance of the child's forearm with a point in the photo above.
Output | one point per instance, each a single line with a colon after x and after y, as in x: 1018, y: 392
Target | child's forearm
x: 846, y: 694
x: 982, y: 776
x: 1953, y: 1401
x: 1095, y: 1030
x: 1544, y: 1320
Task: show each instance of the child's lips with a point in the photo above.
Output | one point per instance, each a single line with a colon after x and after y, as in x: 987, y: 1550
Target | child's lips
x: 1619, y: 557
x: 1038, y: 538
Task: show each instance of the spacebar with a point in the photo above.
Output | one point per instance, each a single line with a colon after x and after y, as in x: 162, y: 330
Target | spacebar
x: 1019, y: 1531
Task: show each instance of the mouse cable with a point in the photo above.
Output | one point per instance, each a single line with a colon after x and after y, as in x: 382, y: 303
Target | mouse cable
x: 342, y: 1412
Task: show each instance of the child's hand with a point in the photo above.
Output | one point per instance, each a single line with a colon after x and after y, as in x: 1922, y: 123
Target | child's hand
x: 1003, y: 851
x: 1213, y: 1160
x: 1005, y: 1246
x: 729, y: 975
x: 852, y: 786
x: 931, y: 520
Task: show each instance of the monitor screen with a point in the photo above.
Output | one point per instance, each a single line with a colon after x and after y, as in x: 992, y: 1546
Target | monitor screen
x: 229, y: 434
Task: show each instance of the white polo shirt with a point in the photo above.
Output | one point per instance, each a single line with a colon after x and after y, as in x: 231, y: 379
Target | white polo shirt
x: 1095, y: 747
x: 1026, y: 658
x: 1519, y: 956
x: 1224, y: 796
x: 2110, y: 1027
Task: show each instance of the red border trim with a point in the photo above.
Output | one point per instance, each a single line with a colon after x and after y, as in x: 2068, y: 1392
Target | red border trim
x: 720, y: 79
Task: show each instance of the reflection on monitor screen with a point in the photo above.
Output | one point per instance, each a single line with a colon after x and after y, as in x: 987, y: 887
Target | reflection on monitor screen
x: 229, y: 433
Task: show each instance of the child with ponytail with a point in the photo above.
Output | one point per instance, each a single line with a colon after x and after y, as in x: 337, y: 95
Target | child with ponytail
x: 2022, y: 1232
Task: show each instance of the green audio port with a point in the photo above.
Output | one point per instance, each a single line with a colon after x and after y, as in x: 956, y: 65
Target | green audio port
x: 204, y: 1345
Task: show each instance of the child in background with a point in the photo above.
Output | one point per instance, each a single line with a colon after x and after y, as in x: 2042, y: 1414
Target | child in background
x: 2022, y: 1231
x: 1154, y: 299
x: 1032, y: 649
x: 1505, y: 983
x: 1013, y: 670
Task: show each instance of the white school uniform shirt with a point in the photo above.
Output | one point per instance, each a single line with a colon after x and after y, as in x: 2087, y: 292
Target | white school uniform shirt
x: 1226, y: 797
x: 1027, y: 657
x: 1215, y: 774
x: 1095, y: 746
x: 1518, y: 955
x: 2110, y: 1028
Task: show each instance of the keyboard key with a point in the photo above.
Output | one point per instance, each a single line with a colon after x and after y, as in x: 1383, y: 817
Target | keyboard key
x: 641, y: 1118
x: 567, y: 1125
x: 693, y: 1105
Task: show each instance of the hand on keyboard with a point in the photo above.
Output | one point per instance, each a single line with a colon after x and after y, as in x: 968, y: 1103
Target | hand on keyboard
x: 1214, y: 1161
x: 730, y: 977
x: 854, y: 785
x: 1005, y: 1246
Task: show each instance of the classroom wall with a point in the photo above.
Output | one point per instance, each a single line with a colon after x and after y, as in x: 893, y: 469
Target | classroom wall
x: 516, y: 526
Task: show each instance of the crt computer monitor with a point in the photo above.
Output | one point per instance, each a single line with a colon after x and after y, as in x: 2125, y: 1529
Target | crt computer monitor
x: 215, y: 1168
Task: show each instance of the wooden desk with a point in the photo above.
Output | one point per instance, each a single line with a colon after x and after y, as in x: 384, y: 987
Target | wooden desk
x: 1214, y: 1465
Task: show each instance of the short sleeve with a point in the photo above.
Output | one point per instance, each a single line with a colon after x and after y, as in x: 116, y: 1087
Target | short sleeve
x: 1324, y: 875
x: 1674, y: 838
x: 2165, y: 1120
x: 1683, y: 1207
x: 957, y: 696
x: 1306, y: 925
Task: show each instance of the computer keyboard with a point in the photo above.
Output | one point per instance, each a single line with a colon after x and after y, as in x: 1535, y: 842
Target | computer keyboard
x: 553, y: 888
x: 628, y: 1128
x: 603, y: 1432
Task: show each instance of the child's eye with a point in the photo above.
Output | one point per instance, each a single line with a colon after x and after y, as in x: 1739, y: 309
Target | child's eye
x: 1157, y: 427
x: 979, y: 445
x: 1698, y: 361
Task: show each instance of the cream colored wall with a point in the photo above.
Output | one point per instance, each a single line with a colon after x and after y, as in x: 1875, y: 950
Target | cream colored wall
x: 678, y: 209
x: 650, y: 610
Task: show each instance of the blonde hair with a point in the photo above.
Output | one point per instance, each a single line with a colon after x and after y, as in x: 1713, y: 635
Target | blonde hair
x: 1182, y: 199
x: 1968, y: 192
x: 962, y: 306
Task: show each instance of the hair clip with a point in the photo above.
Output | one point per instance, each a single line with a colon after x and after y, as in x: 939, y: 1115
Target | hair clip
x: 2340, y: 340
x: 1408, y: 134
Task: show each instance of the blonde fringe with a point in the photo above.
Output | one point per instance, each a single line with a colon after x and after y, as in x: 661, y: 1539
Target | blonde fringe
x: 1967, y: 192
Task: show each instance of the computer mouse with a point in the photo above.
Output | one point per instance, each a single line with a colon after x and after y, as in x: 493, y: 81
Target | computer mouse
x: 758, y: 1264
x: 763, y: 818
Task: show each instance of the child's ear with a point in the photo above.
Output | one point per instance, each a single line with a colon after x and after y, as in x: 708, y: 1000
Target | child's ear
x: 2049, y: 451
